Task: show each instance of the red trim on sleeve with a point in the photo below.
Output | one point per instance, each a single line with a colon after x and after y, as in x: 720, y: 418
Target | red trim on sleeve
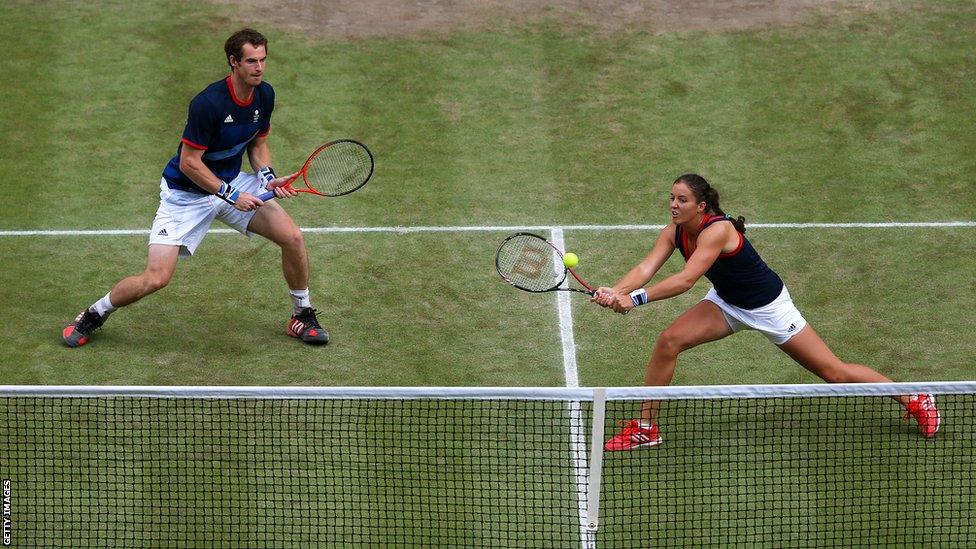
x: 191, y: 144
x: 233, y: 96
x: 742, y: 241
x: 262, y: 134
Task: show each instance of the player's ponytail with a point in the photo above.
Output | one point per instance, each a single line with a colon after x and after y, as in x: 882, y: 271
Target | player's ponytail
x: 709, y: 195
x: 738, y: 222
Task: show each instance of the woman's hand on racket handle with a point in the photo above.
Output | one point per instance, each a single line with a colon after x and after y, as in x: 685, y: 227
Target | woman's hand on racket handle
x: 603, y: 296
x: 621, y: 303
x: 612, y: 299
x: 280, y: 187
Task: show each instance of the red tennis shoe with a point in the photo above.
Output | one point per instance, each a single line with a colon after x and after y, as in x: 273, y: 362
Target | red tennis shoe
x: 634, y: 436
x: 922, y: 408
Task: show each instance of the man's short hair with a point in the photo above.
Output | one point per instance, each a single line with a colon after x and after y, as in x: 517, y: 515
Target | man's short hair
x: 234, y: 46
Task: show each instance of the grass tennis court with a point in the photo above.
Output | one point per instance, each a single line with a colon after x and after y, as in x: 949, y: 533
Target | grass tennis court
x: 852, y: 113
x: 466, y: 327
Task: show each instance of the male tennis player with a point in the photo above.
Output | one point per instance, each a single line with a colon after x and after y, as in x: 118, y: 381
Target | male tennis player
x: 204, y: 181
x: 747, y: 295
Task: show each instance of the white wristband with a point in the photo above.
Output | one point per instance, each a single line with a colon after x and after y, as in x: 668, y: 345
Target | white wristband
x: 639, y: 297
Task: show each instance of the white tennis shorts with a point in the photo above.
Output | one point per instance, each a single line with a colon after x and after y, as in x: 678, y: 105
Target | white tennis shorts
x: 778, y: 321
x: 183, y: 218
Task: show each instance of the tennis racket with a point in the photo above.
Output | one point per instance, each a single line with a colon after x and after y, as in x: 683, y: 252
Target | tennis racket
x: 334, y: 169
x: 532, y: 263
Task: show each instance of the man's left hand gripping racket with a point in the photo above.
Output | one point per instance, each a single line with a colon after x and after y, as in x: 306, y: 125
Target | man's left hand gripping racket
x: 532, y: 263
x: 334, y: 169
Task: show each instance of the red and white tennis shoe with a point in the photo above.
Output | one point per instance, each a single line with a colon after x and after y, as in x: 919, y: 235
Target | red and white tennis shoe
x: 634, y: 436
x: 922, y: 408
x: 305, y: 326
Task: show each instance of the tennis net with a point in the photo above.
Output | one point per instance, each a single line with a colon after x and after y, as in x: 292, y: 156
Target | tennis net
x: 808, y: 465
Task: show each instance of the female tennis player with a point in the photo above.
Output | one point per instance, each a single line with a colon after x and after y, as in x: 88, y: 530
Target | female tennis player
x: 746, y: 295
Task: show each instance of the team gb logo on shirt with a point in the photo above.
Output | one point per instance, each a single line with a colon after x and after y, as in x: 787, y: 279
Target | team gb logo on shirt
x: 256, y: 115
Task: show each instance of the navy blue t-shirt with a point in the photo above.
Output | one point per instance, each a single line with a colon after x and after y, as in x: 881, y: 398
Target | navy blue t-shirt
x: 740, y: 277
x: 222, y: 125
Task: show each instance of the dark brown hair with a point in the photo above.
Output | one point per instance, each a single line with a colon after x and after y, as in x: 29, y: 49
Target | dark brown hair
x: 706, y: 193
x: 234, y: 46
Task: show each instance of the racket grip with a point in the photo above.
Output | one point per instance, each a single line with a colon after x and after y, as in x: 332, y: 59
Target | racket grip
x: 266, y: 196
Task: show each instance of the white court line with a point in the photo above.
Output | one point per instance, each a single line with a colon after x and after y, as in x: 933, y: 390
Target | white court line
x: 508, y: 228
x: 577, y: 442
x: 565, y: 307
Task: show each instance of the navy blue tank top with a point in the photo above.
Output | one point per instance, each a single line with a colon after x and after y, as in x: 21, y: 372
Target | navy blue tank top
x: 740, y: 277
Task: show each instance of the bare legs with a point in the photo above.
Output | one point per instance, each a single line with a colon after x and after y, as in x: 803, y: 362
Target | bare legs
x: 273, y: 223
x: 705, y: 322
x: 810, y: 351
x: 700, y: 324
x: 159, y: 270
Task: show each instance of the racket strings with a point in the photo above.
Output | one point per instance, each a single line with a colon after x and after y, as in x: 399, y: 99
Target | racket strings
x: 527, y: 262
x: 340, y: 168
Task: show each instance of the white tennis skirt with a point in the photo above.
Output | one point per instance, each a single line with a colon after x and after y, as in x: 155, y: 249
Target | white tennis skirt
x: 778, y: 321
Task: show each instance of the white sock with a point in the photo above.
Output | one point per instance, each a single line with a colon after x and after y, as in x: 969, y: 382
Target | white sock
x: 300, y: 299
x: 644, y: 425
x: 103, y: 307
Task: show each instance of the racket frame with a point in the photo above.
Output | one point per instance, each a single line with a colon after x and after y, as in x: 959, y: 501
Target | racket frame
x: 312, y: 190
x: 558, y: 287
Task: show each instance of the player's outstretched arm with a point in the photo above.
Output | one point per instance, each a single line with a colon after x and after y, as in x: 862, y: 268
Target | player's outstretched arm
x: 640, y: 275
x: 707, y: 250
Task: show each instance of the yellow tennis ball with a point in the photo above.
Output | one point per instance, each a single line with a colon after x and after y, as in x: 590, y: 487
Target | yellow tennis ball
x: 570, y: 260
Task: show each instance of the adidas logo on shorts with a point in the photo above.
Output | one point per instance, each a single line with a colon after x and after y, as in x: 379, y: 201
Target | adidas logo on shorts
x: 791, y: 328
x: 163, y: 233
